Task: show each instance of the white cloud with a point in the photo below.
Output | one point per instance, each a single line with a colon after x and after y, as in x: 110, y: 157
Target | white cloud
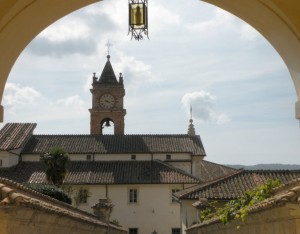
x: 160, y: 17
x: 202, y: 103
x: 71, y: 101
x: 15, y: 94
x: 69, y: 108
x: 34, y: 107
x: 248, y: 33
x: 135, y: 71
x: 65, y: 30
x: 220, y: 20
x: 222, y: 119
x: 114, y: 10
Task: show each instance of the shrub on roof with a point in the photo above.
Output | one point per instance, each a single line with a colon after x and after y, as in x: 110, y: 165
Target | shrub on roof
x: 51, y: 191
x: 55, y: 162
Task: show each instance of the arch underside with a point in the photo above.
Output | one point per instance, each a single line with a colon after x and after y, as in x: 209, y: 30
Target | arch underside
x: 278, y: 21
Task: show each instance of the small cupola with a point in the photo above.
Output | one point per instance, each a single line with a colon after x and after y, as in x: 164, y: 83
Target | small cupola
x: 191, y: 129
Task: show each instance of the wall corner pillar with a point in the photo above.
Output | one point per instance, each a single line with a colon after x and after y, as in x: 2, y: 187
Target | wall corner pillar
x: 297, y: 110
x: 1, y: 113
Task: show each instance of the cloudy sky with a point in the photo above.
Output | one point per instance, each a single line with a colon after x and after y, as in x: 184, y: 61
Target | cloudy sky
x: 239, y: 87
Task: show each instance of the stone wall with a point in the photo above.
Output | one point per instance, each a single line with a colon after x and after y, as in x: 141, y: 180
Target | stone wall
x: 27, y: 220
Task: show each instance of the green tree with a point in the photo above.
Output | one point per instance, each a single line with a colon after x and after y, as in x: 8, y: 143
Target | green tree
x: 55, y: 165
x: 239, y: 208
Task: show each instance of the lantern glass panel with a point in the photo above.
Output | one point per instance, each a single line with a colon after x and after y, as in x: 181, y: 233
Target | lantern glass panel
x: 137, y: 16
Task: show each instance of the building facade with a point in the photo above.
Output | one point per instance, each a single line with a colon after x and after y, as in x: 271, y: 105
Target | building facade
x: 138, y: 174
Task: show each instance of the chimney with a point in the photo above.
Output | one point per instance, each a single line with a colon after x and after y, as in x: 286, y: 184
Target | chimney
x: 103, y: 209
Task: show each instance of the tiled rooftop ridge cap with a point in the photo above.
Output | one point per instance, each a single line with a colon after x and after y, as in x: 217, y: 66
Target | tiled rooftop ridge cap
x: 177, y: 169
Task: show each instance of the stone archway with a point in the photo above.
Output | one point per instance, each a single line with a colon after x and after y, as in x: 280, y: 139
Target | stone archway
x: 278, y: 21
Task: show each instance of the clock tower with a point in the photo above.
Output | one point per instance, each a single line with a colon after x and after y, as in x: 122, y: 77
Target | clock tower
x: 107, y: 101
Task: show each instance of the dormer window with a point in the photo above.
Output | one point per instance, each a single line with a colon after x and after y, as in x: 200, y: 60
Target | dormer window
x: 168, y: 157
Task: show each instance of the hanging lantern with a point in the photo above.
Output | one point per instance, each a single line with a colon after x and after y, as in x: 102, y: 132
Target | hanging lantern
x: 138, y: 19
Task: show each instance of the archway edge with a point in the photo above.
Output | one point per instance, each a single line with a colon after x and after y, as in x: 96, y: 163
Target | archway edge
x: 21, y: 21
x: 279, y: 22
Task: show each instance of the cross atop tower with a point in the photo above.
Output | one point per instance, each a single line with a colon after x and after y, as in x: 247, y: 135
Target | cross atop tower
x: 108, y: 45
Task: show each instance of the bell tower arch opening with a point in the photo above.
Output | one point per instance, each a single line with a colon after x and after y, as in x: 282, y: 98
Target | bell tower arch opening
x: 107, y: 127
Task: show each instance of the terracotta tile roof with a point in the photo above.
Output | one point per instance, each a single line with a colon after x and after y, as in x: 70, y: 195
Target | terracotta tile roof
x: 104, y: 172
x: 87, y: 144
x: 210, y: 171
x: 15, y: 135
x: 234, y: 185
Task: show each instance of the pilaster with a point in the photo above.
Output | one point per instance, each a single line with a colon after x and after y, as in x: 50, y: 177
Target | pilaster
x: 297, y: 110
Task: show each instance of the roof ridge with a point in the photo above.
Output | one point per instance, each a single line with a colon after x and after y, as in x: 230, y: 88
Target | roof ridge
x: 222, y: 165
x: 93, y: 135
x: 156, y: 173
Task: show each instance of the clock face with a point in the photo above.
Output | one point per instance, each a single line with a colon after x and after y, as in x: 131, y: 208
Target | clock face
x: 107, y: 101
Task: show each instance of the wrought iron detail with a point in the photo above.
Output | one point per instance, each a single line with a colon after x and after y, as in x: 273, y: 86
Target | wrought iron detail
x: 138, y: 19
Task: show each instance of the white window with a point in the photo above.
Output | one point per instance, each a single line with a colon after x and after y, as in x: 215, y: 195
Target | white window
x: 133, y: 193
x: 133, y: 231
x: 88, y: 157
x: 176, y: 231
x: 83, y: 195
x: 174, y: 191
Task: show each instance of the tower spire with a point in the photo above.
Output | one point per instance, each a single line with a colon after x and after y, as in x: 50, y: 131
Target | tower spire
x: 108, y: 75
x: 191, y: 129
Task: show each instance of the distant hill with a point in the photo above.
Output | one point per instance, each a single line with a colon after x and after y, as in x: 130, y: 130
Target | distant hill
x: 267, y: 167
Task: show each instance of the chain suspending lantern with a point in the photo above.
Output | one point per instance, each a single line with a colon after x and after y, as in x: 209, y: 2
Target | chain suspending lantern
x: 138, y: 19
